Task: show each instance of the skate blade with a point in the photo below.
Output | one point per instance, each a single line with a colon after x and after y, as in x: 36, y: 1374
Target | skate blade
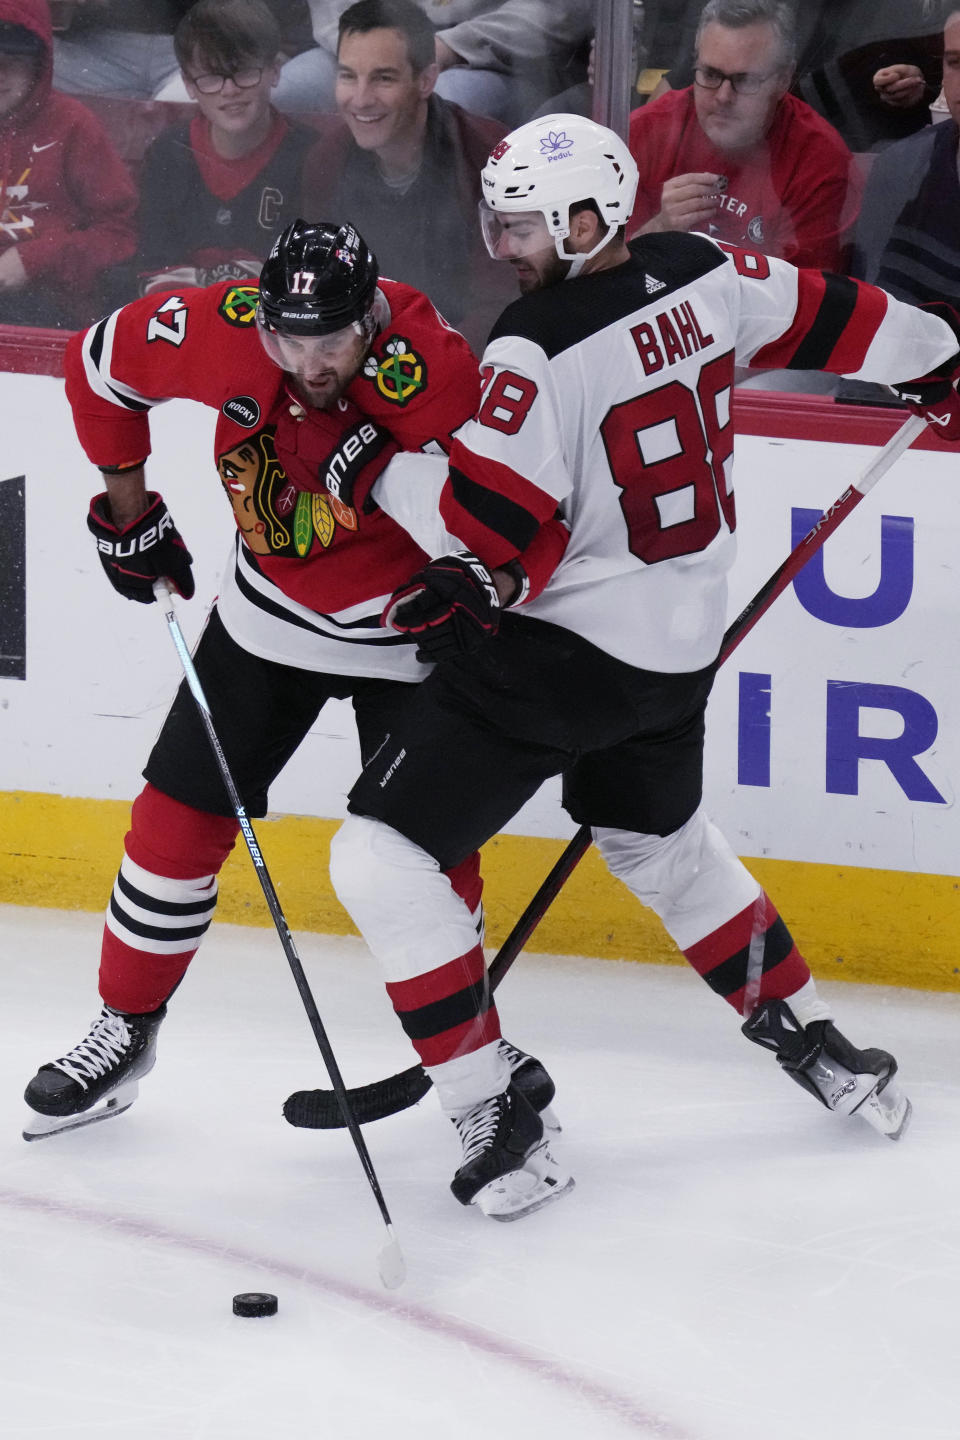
x: 539, y: 1182
x: 41, y: 1127
x: 888, y: 1111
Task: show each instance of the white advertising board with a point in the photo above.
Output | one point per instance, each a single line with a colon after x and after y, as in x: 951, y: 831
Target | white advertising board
x: 832, y: 733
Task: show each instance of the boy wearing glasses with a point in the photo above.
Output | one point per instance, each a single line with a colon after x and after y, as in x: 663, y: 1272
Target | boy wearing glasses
x: 218, y: 189
x: 735, y: 156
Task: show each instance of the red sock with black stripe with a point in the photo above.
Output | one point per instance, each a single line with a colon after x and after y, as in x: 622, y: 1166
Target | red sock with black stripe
x: 751, y: 958
x: 447, y: 1012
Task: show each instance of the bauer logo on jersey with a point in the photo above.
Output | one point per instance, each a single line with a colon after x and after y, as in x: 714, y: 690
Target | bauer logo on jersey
x: 400, y: 375
x: 239, y: 304
x: 341, y: 469
x: 556, y: 145
x: 242, y: 410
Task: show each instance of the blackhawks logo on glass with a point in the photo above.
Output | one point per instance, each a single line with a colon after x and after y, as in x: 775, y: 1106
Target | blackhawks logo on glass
x: 239, y: 304
x: 400, y: 374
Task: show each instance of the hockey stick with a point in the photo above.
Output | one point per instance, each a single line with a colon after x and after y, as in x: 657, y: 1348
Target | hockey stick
x: 390, y: 1259
x: 317, y: 1109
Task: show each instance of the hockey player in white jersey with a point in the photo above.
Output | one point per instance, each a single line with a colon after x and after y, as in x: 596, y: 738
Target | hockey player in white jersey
x: 607, y: 396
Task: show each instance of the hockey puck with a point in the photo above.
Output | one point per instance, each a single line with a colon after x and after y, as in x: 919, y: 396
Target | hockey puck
x: 254, y: 1303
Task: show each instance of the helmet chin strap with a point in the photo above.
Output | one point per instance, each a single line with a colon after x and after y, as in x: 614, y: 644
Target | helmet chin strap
x: 580, y: 258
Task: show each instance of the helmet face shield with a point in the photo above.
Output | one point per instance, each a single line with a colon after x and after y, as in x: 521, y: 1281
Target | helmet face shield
x: 297, y: 353
x: 512, y: 236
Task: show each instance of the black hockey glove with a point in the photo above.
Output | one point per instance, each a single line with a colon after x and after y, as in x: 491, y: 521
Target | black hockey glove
x: 449, y: 607
x: 148, y: 549
x: 934, y: 397
x: 935, y: 401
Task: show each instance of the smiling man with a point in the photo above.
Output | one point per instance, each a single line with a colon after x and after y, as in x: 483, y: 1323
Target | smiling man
x: 735, y: 156
x: 404, y: 165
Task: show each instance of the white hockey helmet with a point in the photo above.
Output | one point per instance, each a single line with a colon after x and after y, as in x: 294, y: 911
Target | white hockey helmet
x: 550, y: 164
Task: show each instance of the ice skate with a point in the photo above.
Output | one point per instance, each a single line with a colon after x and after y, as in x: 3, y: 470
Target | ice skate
x: 530, y: 1076
x: 96, y: 1080
x: 507, y: 1169
x: 844, y: 1079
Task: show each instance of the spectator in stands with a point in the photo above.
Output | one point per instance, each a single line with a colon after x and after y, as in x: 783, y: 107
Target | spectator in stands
x: 217, y: 189
x: 500, y: 58
x: 737, y: 157
x: 404, y: 166
x: 870, y: 67
x: 908, y: 237
x: 125, y: 47
x: 68, y: 201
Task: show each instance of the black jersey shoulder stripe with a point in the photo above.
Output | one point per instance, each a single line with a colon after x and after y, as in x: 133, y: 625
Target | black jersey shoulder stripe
x: 279, y: 612
x: 496, y: 512
x: 837, y: 304
x: 96, y: 355
x: 562, y: 316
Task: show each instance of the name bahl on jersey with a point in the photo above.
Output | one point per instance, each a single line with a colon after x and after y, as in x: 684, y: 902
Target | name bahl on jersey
x: 318, y: 552
x: 615, y: 406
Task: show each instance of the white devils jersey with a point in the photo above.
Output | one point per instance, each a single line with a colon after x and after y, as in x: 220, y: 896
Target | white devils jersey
x: 610, y: 398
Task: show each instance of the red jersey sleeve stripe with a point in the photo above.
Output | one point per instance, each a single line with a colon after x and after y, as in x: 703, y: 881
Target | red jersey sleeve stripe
x: 835, y: 321
x: 493, y: 510
x: 850, y: 352
x: 779, y: 353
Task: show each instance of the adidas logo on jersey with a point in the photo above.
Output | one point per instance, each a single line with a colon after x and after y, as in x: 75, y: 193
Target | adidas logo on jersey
x: 652, y: 285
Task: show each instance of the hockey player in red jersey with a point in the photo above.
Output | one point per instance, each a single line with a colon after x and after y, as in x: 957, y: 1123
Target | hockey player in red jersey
x: 607, y: 390
x: 320, y: 377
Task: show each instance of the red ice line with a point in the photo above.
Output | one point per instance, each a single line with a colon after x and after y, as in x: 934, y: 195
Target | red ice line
x: 623, y: 1407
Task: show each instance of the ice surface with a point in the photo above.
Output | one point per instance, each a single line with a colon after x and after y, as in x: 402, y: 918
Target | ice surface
x: 734, y: 1263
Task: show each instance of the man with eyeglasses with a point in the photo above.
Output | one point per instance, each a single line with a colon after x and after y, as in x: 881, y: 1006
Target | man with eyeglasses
x: 218, y: 188
x: 738, y: 158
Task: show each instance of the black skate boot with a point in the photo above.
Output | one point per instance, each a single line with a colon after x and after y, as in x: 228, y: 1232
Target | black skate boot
x: 507, y: 1169
x: 530, y: 1077
x: 98, y: 1079
x: 818, y: 1057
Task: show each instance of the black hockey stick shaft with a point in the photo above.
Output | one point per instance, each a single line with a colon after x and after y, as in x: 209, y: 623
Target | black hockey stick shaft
x: 316, y: 1109
x: 391, y: 1259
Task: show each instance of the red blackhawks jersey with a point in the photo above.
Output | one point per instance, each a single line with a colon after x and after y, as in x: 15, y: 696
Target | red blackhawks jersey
x: 610, y: 398
x: 317, y: 554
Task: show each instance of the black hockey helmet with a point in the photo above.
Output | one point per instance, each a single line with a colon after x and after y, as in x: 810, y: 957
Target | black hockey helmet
x: 317, y: 278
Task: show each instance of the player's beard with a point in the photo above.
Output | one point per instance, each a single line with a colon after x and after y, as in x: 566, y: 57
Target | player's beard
x: 330, y: 385
x: 538, y: 273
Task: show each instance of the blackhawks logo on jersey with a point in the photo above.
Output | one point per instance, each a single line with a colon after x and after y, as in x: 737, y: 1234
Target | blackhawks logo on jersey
x: 400, y: 374
x: 274, y: 517
x: 239, y: 305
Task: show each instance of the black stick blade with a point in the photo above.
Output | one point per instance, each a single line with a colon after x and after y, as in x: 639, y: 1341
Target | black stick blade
x: 318, y: 1109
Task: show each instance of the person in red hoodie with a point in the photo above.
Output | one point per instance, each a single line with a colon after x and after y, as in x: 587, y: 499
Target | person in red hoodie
x: 67, y: 203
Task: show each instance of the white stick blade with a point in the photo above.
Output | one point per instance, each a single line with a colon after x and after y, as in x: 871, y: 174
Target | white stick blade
x: 392, y: 1266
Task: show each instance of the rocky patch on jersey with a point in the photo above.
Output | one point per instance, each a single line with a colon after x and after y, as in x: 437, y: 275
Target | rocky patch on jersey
x: 273, y: 516
x: 399, y: 374
x: 242, y: 410
x: 239, y: 304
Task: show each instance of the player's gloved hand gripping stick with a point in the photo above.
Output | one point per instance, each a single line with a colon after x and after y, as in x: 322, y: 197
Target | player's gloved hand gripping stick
x: 136, y: 555
x: 319, y: 1109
